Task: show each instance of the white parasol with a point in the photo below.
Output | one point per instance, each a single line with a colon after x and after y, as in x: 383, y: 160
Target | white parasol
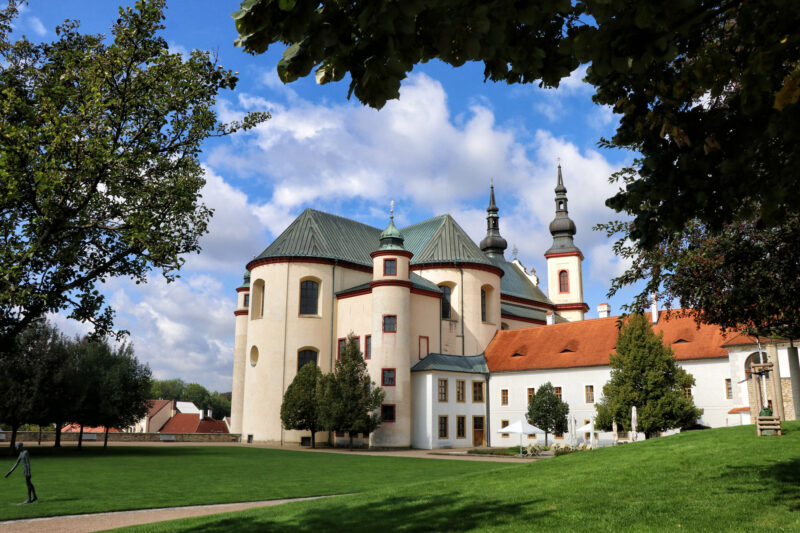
x: 523, y: 428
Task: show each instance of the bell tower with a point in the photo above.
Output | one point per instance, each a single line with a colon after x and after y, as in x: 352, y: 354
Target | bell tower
x: 564, y: 275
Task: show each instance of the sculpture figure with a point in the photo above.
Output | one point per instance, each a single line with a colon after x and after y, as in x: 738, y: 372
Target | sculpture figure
x: 25, y: 459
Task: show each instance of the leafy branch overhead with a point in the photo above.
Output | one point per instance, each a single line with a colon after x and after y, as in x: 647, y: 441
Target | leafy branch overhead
x: 99, y: 170
x: 707, y: 90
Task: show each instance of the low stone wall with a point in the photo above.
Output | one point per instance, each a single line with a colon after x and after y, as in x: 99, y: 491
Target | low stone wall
x: 50, y: 436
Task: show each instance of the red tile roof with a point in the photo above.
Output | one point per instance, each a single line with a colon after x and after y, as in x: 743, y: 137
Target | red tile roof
x: 209, y: 425
x: 589, y: 343
x: 76, y: 428
x: 156, y: 406
x: 182, y: 423
x: 192, y: 423
x: 737, y: 410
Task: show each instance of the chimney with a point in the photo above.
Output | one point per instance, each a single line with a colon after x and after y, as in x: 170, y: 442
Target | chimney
x: 654, y: 309
x: 603, y: 310
x: 551, y: 319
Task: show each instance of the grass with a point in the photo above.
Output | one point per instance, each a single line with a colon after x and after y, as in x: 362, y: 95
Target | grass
x: 717, y: 480
x: 93, y: 480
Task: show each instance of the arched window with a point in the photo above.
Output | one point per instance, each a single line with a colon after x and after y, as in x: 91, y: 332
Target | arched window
x: 257, y: 309
x: 753, y: 359
x: 305, y: 356
x: 253, y: 356
x: 563, y: 281
x: 309, y: 297
x: 483, y: 305
x: 446, y: 305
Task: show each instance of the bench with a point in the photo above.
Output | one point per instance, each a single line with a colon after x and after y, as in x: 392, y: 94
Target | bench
x: 90, y: 436
x: 766, y: 423
x: 167, y: 438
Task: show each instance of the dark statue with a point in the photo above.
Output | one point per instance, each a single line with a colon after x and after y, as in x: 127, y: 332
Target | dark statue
x: 25, y: 459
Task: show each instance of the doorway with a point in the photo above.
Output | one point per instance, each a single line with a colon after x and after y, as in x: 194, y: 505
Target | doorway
x: 477, y: 431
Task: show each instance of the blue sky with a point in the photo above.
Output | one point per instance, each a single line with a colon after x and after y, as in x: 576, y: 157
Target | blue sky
x: 434, y: 151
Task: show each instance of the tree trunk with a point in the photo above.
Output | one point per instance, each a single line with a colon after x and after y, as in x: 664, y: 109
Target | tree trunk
x: 105, y: 439
x: 57, y: 443
x: 313, y: 438
x: 545, y: 438
x: 14, y: 428
x: 40, y: 435
x: 351, y: 441
x: 80, y: 438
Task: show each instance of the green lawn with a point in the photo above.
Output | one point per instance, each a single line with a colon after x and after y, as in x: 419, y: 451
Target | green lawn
x: 119, y: 478
x: 717, y: 480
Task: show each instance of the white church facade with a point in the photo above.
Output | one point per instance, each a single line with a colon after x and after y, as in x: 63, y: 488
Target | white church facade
x: 455, y: 334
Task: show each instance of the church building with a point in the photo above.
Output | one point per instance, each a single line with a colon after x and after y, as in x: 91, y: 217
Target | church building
x: 457, y: 336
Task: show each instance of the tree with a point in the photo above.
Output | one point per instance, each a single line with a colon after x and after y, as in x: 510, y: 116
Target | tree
x: 350, y: 400
x: 197, y: 394
x: 645, y: 374
x: 99, y: 169
x: 547, y: 412
x: 220, y: 405
x: 708, y: 91
x: 727, y: 277
x: 168, y: 389
x: 302, y: 401
x: 126, y: 384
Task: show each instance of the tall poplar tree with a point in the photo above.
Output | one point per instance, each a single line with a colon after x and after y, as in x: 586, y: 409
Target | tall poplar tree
x: 645, y: 374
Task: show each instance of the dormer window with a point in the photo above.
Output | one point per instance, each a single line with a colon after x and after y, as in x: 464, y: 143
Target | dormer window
x: 680, y: 341
x: 517, y: 354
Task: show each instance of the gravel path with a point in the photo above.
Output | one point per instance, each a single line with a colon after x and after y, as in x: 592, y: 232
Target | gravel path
x: 84, y: 523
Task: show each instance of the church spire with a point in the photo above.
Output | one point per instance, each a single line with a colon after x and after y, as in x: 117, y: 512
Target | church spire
x: 493, y: 243
x: 562, y: 228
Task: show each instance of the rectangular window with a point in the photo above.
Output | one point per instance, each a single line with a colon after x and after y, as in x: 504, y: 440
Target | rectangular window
x: 688, y: 392
x: 728, y: 389
x: 368, y: 347
x: 504, y: 423
x: 443, y: 390
x: 389, y: 323
x: 483, y: 305
x: 390, y: 267
x: 587, y: 436
x: 423, y: 346
x: 461, y: 427
x: 557, y: 391
x: 477, y: 392
x: 504, y: 397
x: 623, y: 435
x: 531, y: 393
x: 589, y: 393
x: 442, y: 427
x: 247, y: 300
x: 357, y: 341
x: 387, y: 412
x: 461, y: 387
x: 340, y: 348
x: 387, y: 377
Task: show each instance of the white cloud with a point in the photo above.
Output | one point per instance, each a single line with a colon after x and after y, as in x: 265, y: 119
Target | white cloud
x: 236, y: 232
x: 36, y: 25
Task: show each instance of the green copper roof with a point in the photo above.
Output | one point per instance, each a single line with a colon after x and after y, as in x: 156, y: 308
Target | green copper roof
x: 318, y: 234
x: 391, y: 238
x: 246, y: 283
x: 441, y: 240
x: 515, y: 283
x: 473, y: 364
